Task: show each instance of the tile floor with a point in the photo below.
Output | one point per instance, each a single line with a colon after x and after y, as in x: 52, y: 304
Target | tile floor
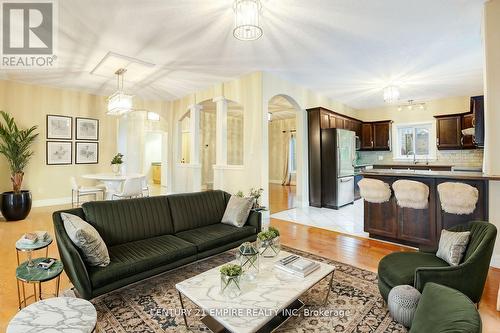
x: 348, y: 219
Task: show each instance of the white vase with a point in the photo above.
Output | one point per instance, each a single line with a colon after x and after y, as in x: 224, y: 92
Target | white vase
x: 117, y: 169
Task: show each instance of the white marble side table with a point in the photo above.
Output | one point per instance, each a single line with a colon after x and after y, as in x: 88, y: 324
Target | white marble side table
x: 59, y: 314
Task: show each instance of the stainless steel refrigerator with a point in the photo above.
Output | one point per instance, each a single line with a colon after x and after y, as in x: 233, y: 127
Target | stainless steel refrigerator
x: 338, y: 156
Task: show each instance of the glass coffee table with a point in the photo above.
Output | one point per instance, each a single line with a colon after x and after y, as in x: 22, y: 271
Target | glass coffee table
x: 265, y: 303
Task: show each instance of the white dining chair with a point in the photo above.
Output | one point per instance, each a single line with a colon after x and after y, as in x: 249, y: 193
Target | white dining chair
x: 145, y: 186
x: 132, y: 188
x: 78, y: 191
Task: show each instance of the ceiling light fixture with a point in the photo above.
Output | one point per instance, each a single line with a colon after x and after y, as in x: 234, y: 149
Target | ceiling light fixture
x: 247, y: 20
x: 119, y: 103
x: 391, y: 94
x: 411, y: 105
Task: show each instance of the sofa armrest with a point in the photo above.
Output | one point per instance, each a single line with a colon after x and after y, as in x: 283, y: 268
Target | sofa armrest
x: 459, y: 277
x: 255, y: 220
x: 74, y: 266
x: 428, y: 249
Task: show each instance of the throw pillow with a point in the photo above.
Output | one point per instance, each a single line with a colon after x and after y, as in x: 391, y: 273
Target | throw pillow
x: 452, y: 246
x: 237, y: 211
x: 87, y: 239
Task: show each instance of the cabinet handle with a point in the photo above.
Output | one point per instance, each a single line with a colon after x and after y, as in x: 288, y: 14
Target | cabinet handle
x: 473, y: 121
x: 462, y: 141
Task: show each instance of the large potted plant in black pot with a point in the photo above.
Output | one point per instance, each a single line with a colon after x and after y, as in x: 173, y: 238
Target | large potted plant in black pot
x: 15, y: 146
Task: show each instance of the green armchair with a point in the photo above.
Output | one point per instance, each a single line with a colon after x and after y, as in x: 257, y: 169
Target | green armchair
x: 419, y: 268
x: 443, y: 309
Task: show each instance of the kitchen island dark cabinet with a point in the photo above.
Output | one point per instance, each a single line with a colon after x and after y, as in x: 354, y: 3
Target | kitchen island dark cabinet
x: 420, y: 227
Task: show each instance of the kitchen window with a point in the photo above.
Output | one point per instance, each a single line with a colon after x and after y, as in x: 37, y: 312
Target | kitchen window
x: 414, y: 141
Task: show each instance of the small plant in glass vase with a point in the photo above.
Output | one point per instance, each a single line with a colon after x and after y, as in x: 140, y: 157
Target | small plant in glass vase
x: 230, y: 279
x: 256, y: 194
x: 116, y: 163
x: 248, y: 256
x: 268, y: 242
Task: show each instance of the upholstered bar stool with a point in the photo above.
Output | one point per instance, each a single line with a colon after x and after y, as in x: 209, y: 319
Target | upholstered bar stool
x: 411, y: 194
x: 458, y: 198
x: 374, y: 190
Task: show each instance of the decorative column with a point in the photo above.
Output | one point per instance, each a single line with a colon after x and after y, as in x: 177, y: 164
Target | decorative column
x: 491, y: 35
x: 221, y: 131
x: 220, y: 141
x: 194, y: 129
x: 194, y: 147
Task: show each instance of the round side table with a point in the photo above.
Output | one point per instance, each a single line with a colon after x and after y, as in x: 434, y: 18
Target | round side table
x: 59, y: 314
x: 29, y: 248
x: 36, y: 276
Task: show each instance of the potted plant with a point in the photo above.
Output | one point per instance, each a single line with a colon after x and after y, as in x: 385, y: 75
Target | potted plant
x: 230, y: 276
x: 15, y: 146
x: 256, y: 194
x: 269, y: 242
x: 116, y: 163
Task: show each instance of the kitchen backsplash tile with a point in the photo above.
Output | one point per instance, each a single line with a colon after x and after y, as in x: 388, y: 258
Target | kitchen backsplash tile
x: 469, y: 157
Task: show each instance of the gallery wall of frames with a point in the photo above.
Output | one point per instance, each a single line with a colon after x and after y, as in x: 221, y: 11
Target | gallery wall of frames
x: 60, y: 143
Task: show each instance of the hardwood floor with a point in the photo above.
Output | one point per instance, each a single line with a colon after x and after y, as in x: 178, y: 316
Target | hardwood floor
x: 281, y: 197
x: 360, y: 252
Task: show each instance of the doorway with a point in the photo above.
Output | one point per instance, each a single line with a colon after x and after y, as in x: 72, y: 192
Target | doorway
x: 282, y: 129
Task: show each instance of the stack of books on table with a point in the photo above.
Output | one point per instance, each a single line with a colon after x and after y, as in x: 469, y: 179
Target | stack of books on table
x: 297, y: 265
x: 30, y: 238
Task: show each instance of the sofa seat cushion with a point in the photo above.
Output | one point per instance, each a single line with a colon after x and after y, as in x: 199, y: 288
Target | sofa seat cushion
x: 399, y: 268
x: 215, y: 235
x: 135, y: 257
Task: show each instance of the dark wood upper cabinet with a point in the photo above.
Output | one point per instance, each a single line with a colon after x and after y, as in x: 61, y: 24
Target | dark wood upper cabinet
x: 468, y: 141
x: 477, y: 107
x: 366, y: 136
x: 449, y: 132
x: 382, y: 135
x: 325, y: 120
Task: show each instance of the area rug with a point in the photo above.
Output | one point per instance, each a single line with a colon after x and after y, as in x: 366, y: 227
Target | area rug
x: 152, y: 305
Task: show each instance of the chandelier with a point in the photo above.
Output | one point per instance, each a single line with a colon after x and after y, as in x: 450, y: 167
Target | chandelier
x: 246, y: 20
x: 119, y: 103
x: 391, y: 94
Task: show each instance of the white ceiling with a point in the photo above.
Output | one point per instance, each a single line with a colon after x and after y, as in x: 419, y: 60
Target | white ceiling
x: 346, y: 49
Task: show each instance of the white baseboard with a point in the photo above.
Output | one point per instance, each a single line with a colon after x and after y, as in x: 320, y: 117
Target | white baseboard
x: 51, y: 202
x: 275, y: 181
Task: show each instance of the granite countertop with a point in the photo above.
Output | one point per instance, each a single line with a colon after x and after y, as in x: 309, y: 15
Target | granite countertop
x: 429, y: 174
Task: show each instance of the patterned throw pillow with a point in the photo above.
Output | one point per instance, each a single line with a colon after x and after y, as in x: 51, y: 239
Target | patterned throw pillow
x: 87, y: 239
x: 237, y: 211
x: 452, y: 246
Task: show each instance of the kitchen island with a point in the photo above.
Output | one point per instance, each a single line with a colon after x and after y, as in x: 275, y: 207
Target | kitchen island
x: 420, y: 227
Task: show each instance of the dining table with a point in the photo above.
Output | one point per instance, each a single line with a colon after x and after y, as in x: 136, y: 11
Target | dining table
x: 112, y: 181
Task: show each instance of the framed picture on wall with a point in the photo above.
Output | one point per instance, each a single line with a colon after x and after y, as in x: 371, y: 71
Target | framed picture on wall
x: 86, y: 152
x: 59, y: 127
x: 87, y: 129
x: 59, y: 152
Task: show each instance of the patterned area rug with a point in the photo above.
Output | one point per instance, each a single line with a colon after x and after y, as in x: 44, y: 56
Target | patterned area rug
x: 152, y: 305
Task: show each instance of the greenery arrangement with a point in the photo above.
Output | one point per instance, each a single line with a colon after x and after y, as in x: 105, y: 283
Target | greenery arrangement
x: 231, y: 270
x: 15, y: 146
x: 270, y: 233
x: 256, y: 194
x: 240, y: 194
x: 117, y: 159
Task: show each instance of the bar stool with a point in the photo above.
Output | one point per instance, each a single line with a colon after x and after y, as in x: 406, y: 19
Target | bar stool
x: 374, y: 190
x: 411, y: 194
x: 458, y: 198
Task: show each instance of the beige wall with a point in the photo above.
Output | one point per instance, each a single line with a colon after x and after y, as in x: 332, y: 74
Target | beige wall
x: 30, y: 104
x: 491, y: 32
x: 277, y: 147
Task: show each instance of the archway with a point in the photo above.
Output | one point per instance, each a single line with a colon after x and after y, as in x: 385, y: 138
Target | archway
x: 287, y: 139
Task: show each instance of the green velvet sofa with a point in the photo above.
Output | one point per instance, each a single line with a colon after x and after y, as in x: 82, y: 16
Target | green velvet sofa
x: 443, y: 309
x: 418, y: 268
x: 148, y: 236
